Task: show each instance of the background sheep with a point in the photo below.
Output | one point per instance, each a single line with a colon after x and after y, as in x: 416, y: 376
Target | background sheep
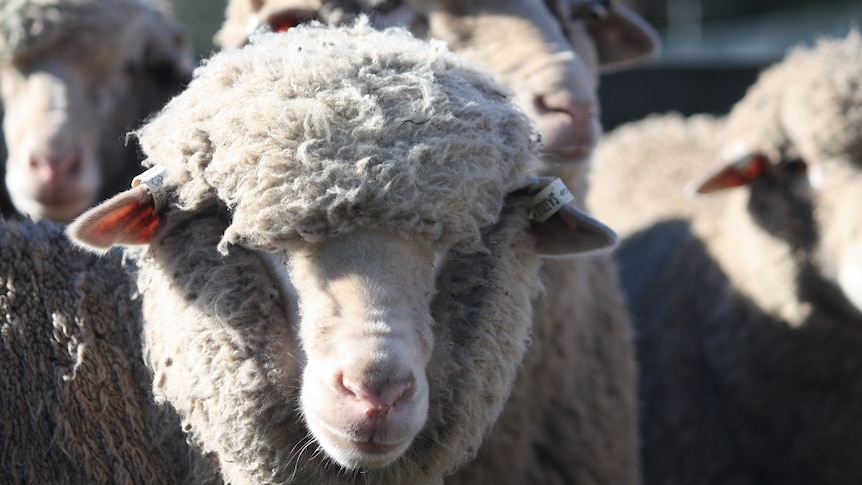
x: 571, y: 418
x: 74, y: 393
x: 346, y: 298
x: 550, y: 53
x: 747, y: 303
x: 577, y: 423
x: 75, y: 76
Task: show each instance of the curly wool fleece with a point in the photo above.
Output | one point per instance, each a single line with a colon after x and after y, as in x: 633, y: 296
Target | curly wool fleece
x: 319, y: 130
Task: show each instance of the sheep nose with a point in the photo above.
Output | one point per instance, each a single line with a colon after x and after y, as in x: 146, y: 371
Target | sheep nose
x: 581, y: 112
x: 568, y: 124
x: 55, y: 170
x: 377, y: 398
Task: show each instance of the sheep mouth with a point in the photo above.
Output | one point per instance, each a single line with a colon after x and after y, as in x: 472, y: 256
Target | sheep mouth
x: 56, y: 199
x: 57, y: 207
x: 376, y: 448
x: 358, y: 451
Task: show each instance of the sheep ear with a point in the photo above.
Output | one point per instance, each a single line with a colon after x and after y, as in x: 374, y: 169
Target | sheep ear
x: 740, y: 171
x: 623, y: 39
x: 571, y: 231
x: 128, y: 218
x: 558, y: 227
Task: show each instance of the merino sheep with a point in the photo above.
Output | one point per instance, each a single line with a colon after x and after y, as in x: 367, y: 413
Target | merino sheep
x: 748, y: 304
x: 577, y: 423
x: 339, y: 289
x: 75, y: 76
x: 74, y: 393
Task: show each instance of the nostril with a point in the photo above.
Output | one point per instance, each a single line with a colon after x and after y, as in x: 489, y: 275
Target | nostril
x: 70, y: 165
x: 378, y: 398
x: 580, y: 111
x: 41, y: 168
x: 51, y: 168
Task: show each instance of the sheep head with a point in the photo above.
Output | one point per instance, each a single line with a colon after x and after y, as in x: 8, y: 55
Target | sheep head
x: 75, y: 77
x: 381, y: 186
x: 550, y: 54
x: 797, y: 148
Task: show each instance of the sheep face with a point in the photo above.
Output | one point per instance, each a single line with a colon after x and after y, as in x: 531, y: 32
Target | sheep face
x: 797, y: 146
x: 69, y: 101
x: 802, y: 209
x: 365, y: 327
x: 527, y: 50
x: 549, y: 53
x: 52, y: 131
x: 378, y: 338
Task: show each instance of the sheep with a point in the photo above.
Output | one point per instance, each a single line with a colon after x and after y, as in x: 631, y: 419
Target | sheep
x: 339, y: 261
x: 74, y: 393
x: 75, y: 76
x: 577, y: 423
x: 746, y: 302
x: 571, y: 418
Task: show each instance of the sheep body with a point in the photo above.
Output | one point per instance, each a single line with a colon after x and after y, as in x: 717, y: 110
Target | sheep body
x: 76, y: 76
x: 381, y: 136
x: 577, y: 426
x: 747, y: 334
x: 74, y: 387
x: 392, y: 113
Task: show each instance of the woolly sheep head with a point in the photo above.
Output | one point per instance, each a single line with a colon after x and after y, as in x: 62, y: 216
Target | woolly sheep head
x: 355, y: 163
x: 795, y: 140
x: 549, y: 53
x: 75, y: 76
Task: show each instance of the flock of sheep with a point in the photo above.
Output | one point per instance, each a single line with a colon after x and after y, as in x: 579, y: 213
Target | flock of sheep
x: 387, y: 242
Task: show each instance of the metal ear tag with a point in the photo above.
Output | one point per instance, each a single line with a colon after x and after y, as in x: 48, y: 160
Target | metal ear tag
x: 154, y: 179
x: 550, y: 200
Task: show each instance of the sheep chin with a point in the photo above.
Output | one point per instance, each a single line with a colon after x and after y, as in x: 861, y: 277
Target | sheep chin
x: 354, y: 437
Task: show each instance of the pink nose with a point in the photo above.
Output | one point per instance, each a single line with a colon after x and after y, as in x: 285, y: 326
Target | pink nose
x: 581, y: 112
x: 376, y: 399
x: 56, y: 171
x: 569, y: 126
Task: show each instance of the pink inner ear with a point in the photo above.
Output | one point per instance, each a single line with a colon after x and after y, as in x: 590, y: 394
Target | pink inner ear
x: 133, y: 224
x: 734, y: 175
x: 125, y: 219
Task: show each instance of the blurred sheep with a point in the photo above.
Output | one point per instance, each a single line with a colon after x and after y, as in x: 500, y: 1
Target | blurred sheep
x: 75, y: 77
x: 747, y: 299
